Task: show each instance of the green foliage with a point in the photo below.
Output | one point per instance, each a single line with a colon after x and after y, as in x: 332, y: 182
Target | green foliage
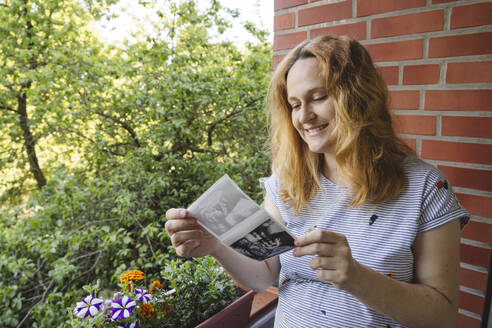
x: 122, y: 134
x: 191, y: 278
x: 174, y: 305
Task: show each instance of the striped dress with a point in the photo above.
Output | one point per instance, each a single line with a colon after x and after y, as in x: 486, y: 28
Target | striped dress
x: 380, y: 237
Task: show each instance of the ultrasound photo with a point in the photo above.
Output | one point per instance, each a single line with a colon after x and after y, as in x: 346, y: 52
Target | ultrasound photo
x: 265, y: 241
x: 229, y: 214
x: 223, y: 206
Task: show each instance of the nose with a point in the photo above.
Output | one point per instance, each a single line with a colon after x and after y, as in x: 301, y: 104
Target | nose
x: 306, y: 113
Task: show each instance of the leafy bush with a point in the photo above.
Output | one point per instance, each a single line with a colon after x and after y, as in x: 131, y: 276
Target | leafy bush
x: 202, y: 278
x: 96, y: 229
x: 125, y: 134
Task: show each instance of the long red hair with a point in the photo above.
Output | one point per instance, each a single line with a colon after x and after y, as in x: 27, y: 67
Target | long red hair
x: 367, y: 150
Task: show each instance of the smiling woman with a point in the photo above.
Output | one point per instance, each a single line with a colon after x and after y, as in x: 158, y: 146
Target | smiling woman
x: 334, y: 82
x: 340, y: 167
x: 313, y: 111
x: 377, y: 229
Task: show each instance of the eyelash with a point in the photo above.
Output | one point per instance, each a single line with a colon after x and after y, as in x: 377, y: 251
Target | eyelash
x: 321, y: 98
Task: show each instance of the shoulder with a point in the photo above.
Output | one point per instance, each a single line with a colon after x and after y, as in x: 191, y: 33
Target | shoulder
x: 438, y: 202
x: 426, y: 181
x: 416, y: 167
x: 422, y: 174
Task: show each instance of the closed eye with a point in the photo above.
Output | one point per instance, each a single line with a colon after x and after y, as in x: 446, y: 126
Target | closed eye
x: 319, y: 98
x: 295, y: 106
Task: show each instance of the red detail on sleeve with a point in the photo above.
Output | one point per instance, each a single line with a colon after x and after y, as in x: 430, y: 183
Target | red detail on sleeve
x: 439, y: 185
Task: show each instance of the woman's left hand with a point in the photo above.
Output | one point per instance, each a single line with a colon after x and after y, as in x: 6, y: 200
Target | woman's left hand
x: 332, y: 256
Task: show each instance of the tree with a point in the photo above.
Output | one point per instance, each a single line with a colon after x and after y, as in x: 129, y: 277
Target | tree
x: 38, y: 41
x: 125, y: 133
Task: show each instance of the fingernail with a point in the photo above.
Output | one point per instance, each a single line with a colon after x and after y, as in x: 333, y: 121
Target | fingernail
x: 182, y: 213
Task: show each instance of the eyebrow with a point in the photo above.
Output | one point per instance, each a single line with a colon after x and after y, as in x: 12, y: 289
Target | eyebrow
x: 309, y: 92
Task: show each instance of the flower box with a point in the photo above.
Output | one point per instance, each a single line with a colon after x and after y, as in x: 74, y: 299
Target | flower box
x: 235, y: 314
x: 263, y: 301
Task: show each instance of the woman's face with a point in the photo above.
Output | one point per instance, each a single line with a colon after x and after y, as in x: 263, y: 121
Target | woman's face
x: 313, y: 111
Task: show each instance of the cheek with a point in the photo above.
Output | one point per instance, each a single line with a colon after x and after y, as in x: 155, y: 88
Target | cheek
x: 333, y: 117
x: 294, y: 120
x: 297, y: 127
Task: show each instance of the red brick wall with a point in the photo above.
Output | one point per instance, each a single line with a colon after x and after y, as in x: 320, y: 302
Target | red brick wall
x: 436, y: 56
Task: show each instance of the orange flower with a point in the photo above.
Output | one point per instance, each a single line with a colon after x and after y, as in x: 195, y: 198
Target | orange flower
x: 156, y: 284
x: 132, y: 275
x: 146, y: 310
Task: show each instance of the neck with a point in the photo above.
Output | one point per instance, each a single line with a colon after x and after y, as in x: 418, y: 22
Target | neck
x: 330, y: 170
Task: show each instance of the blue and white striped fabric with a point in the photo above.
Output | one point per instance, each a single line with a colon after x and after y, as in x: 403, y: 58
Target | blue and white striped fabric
x: 380, y: 237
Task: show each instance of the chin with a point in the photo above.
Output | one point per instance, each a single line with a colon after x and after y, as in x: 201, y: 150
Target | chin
x: 321, y: 149
x: 319, y: 145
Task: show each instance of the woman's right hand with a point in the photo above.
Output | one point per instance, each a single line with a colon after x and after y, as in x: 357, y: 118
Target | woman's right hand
x: 187, y: 236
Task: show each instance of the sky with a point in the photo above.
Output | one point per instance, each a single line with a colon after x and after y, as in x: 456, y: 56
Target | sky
x: 129, y: 13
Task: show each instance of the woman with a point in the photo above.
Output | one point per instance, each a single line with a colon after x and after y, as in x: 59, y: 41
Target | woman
x: 377, y: 229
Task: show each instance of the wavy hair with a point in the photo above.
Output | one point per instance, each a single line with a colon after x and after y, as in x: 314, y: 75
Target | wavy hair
x: 367, y: 150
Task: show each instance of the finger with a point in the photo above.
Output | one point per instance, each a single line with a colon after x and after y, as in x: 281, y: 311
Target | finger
x: 319, y: 235
x: 325, y: 263
x: 185, y: 249
x: 182, y: 237
x: 328, y: 275
x: 320, y: 249
x: 173, y: 226
x: 176, y: 213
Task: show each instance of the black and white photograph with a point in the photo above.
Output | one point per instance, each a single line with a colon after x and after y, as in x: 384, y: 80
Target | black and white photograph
x: 229, y: 214
x: 267, y: 240
x: 243, y: 209
x: 223, y: 206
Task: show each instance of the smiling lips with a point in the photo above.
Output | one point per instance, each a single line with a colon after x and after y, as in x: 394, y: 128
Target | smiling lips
x: 316, y: 130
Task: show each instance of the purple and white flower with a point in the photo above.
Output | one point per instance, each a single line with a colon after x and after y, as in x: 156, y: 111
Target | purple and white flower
x: 129, y: 325
x: 109, y: 301
x: 88, y: 307
x: 142, y: 295
x: 122, y: 308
